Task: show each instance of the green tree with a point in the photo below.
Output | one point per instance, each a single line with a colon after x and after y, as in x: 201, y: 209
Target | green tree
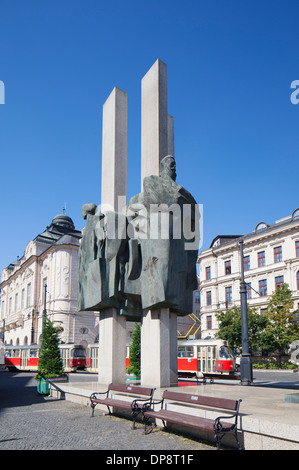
x: 230, y: 328
x: 135, y: 353
x: 281, y: 329
x: 50, y: 362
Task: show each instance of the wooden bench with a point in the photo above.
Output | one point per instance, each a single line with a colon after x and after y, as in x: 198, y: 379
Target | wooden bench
x: 127, y: 390
x: 217, y: 426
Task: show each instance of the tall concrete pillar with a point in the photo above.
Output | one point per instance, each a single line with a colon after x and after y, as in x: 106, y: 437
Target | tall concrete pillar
x: 156, y: 140
x: 112, y: 347
x: 114, y: 150
x: 112, y: 336
x: 158, y: 348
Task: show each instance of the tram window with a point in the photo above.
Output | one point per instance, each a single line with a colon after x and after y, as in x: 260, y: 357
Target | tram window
x: 185, y: 351
x: 33, y: 353
x: 78, y: 353
x: 224, y: 352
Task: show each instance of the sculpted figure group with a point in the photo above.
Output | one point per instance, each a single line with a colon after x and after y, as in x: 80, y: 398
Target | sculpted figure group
x: 144, y: 258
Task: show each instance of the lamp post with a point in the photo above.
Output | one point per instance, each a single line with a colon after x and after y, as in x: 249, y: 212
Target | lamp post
x: 32, y: 327
x: 245, y: 362
x: 45, y: 309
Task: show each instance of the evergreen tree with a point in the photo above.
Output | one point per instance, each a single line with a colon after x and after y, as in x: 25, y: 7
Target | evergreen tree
x: 135, y: 353
x: 50, y: 362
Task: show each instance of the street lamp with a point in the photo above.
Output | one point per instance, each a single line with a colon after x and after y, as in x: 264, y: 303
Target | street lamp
x: 45, y: 308
x: 32, y: 327
x: 245, y: 361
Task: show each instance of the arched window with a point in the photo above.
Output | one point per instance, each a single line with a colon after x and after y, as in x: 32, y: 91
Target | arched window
x: 25, y: 342
x: 295, y: 215
x: 297, y: 280
x: 261, y: 227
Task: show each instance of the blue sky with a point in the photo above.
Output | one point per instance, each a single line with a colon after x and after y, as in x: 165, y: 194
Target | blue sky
x: 230, y: 66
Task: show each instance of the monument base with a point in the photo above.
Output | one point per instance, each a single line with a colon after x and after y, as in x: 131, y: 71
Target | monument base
x: 112, y: 347
x: 159, y: 348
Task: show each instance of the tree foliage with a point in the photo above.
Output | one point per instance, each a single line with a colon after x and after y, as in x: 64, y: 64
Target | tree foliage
x: 50, y: 362
x: 281, y: 329
x: 230, y: 328
x: 273, y: 331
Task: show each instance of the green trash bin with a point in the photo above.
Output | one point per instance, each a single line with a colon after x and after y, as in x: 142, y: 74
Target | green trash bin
x: 43, y: 387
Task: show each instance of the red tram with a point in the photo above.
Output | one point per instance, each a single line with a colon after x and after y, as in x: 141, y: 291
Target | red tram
x: 205, y: 357
x: 195, y: 357
x: 26, y: 357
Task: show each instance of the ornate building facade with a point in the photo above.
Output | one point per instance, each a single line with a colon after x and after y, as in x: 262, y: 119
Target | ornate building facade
x: 46, y: 276
x: 271, y: 257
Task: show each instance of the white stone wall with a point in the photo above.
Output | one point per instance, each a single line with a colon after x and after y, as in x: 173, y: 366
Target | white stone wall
x: 58, y: 264
x: 280, y: 235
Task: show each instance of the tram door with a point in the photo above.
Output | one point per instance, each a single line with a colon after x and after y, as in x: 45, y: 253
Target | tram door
x: 24, y: 357
x: 94, y: 357
x: 206, y: 356
x: 65, y: 352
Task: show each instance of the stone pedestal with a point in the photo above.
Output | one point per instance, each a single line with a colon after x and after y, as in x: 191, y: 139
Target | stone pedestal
x: 112, y: 347
x: 159, y: 348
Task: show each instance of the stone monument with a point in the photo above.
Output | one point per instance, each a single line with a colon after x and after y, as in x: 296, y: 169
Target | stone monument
x: 138, y: 260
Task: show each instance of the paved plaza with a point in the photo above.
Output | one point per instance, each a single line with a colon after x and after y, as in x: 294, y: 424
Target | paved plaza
x: 31, y: 422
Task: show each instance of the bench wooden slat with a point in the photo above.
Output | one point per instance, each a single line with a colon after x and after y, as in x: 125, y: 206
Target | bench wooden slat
x: 113, y: 402
x: 131, y: 389
x: 198, y: 422
x: 214, y: 402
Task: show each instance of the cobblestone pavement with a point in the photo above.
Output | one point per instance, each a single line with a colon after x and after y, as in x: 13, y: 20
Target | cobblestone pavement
x: 29, y: 421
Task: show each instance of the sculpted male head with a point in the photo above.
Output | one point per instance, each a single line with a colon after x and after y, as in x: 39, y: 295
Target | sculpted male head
x: 168, y: 167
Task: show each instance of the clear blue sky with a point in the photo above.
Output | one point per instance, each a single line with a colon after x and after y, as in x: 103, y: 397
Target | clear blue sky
x: 230, y: 66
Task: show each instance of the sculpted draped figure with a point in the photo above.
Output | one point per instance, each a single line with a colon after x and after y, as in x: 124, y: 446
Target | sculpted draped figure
x: 146, y: 258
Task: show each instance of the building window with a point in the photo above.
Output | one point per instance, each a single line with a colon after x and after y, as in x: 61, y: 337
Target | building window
x: 263, y: 287
x: 228, y: 267
x: 249, y: 291
x: 261, y: 227
x: 261, y: 260
x: 2, y: 309
x: 263, y: 311
x: 16, y: 302
x: 298, y: 283
x: 278, y: 282
x: 23, y: 299
x: 28, y: 295
x: 228, y: 294
x: 209, y: 322
x: 277, y: 254
x: 197, y: 297
x: 208, y: 273
x: 10, y: 306
x: 246, y: 262
x: 297, y: 248
x: 295, y: 215
x: 209, y: 298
